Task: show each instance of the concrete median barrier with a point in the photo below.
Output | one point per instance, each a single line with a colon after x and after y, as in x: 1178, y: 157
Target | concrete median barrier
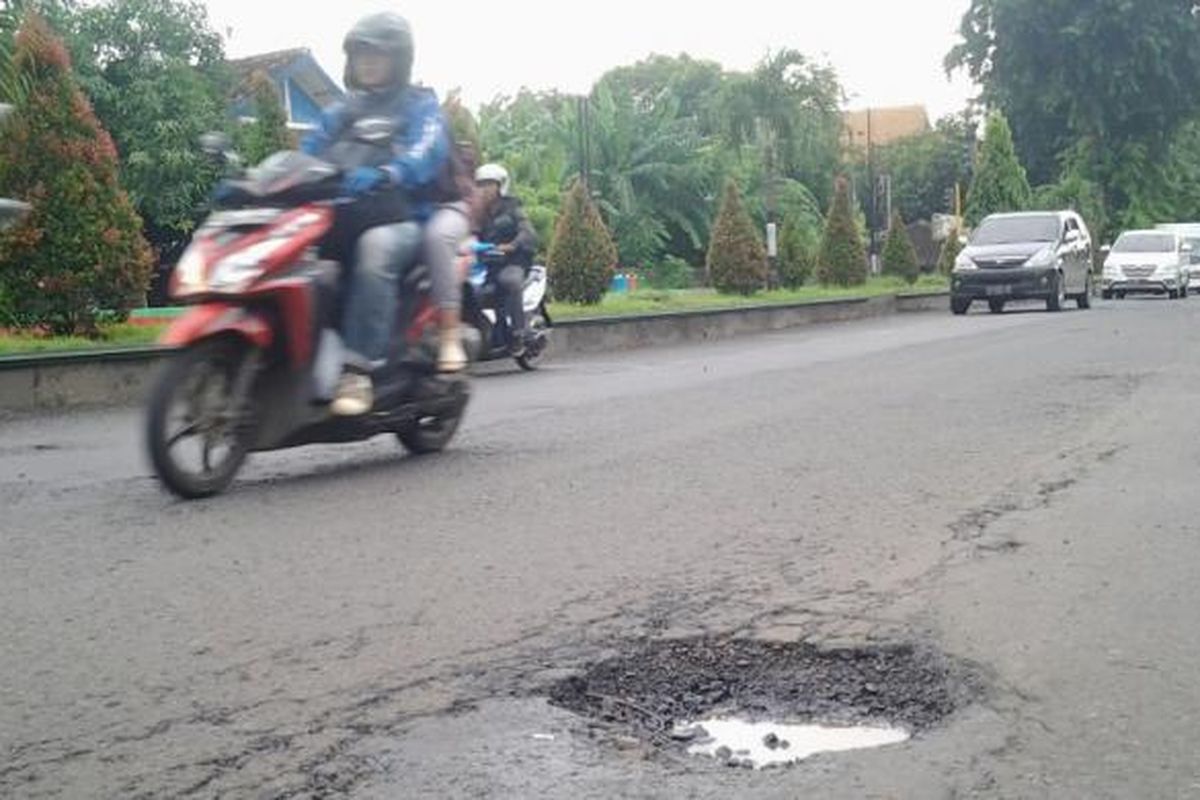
x: 121, y: 377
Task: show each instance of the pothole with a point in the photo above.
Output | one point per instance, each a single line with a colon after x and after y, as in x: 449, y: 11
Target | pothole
x: 740, y: 700
x: 758, y: 745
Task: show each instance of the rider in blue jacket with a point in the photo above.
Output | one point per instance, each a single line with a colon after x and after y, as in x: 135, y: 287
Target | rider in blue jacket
x: 402, y: 171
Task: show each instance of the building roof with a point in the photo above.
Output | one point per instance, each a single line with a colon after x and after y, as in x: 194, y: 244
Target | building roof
x: 268, y: 61
x: 886, y: 125
x: 296, y: 64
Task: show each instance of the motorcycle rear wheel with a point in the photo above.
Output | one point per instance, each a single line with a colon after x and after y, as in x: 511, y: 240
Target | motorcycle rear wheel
x: 200, y: 382
x: 535, y: 351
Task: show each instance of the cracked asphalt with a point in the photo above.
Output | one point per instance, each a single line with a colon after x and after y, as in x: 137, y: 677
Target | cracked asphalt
x: 1017, y: 492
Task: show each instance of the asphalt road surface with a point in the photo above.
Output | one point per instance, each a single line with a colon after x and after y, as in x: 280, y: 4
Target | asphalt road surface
x: 1017, y: 491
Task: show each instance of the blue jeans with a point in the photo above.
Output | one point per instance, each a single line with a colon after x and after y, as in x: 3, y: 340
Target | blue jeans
x: 382, y: 254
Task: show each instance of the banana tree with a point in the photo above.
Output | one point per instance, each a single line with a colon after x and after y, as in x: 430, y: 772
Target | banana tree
x: 647, y: 171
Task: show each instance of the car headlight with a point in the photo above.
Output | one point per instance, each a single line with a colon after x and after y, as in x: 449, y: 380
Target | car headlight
x: 1043, y: 258
x: 235, y: 272
x: 964, y: 264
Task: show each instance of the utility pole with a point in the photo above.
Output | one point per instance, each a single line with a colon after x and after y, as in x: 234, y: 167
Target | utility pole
x: 584, y: 121
x: 873, y: 212
x: 885, y: 188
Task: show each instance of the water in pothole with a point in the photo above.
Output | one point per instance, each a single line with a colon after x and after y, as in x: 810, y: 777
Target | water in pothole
x: 769, y: 744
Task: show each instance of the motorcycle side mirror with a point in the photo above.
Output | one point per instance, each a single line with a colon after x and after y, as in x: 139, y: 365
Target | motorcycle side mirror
x: 11, y: 212
x: 218, y: 146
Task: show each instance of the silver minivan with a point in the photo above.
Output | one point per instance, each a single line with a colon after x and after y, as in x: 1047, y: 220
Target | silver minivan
x: 1147, y: 262
x: 1190, y: 231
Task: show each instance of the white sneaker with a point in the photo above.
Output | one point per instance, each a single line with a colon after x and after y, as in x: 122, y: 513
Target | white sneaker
x: 355, y: 396
x: 451, y: 355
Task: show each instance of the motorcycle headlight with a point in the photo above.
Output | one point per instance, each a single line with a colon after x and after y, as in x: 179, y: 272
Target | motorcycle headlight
x: 189, y: 274
x: 234, y: 273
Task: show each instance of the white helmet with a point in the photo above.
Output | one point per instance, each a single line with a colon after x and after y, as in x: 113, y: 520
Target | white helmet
x: 493, y: 173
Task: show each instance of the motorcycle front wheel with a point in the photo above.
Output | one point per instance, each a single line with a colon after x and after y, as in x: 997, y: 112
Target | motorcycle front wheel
x: 197, y: 430
x: 431, y: 432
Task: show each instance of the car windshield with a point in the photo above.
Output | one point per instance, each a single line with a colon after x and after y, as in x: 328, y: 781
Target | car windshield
x: 1194, y: 256
x: 1145, y: 243
x: 1016, y: 230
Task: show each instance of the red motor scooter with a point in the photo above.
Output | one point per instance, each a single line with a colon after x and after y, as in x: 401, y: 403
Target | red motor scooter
x: 258, y: 357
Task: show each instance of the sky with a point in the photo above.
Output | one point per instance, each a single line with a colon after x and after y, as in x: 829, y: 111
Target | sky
x: 885, y: 52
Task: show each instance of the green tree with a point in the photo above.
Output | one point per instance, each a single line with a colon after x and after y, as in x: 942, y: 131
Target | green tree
x: 899, y: 255
x: 1113, y: 73
x: 268, y: 133
x: 527, y: 133
x: 798, y: 245
x: 692, y: 86
x: 843, y: 260
x: 81, y: 250
x: 663, y: 136
x: 787, y: 113
x: 1000, y: 184
x: 13, y: 85
x: 737, y: 258
x: 1180, y: 173
x: 949, y: 252
x: 583, y: 255
x: 1076, y: 192
x: 644, y: 173
x: 799, y: 232
x: 925, y: 168
x: 155, y: 72
x: 463, y: 124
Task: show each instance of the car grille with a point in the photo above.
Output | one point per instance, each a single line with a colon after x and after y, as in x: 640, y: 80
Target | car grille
x: 1005, y: 262
x: 1138, y: 272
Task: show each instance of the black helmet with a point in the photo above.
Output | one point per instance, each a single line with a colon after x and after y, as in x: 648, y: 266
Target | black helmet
x: 387, y: 32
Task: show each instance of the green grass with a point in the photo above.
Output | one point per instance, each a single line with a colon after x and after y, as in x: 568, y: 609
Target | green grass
x: 649, y: 301
x: 111, y: 336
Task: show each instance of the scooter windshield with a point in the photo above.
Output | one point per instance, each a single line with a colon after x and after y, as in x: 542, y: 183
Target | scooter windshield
x: 287, y: 177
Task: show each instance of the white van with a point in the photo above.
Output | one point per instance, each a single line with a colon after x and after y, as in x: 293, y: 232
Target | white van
x: 1190, y: 232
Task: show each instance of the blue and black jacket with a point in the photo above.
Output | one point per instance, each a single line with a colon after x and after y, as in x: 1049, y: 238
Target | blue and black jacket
x: 417, y: 157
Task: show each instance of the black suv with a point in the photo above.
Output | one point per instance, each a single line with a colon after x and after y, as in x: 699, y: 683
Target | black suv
x: 1032, y: 256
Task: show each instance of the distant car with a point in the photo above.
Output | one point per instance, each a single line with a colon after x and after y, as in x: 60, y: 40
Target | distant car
x: 1190, y: 231
x: 1147, y: 262
x: 1030, y: 256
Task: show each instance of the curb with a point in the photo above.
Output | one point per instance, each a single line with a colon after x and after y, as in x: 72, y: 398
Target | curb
x: 57, y: 381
